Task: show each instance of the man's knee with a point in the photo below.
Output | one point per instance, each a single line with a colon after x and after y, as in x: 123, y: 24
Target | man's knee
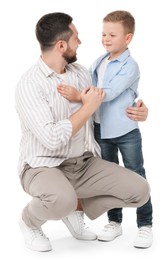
x: 145, y: 194
x: 142, y: 193
x: 61, y: 204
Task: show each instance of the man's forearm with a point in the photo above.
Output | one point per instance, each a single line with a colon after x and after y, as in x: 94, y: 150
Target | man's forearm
x: 79, y: 118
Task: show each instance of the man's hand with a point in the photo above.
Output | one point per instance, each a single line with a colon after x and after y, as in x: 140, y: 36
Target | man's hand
x: 92, y: 97
x: 139, y: 112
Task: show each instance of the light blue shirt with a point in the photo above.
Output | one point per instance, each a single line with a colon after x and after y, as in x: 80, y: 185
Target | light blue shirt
x: 120, y: 83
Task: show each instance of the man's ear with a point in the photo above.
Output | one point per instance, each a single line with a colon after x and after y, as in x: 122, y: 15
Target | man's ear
x: 62, y: 45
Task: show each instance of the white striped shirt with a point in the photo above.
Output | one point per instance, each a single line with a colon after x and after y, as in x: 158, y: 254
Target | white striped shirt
x: 44, y: 113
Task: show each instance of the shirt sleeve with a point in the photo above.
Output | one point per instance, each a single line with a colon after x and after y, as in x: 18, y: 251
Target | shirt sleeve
x: 36, y: 116
x: 126, y: 78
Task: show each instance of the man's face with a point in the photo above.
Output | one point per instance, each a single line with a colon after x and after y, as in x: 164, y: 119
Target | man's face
x: 70, y: 54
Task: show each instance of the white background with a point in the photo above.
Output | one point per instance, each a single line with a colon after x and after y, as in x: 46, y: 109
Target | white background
x: 18, y: 51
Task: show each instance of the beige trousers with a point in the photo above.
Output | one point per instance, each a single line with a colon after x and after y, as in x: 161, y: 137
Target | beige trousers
x: 99, y: 184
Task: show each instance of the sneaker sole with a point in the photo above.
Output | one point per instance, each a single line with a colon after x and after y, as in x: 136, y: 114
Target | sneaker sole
x: 142, y: 246
x: 104, y: 239
x: 39, y: 249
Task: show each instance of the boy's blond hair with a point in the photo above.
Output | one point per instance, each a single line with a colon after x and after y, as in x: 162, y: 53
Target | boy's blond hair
x: 123, y: 17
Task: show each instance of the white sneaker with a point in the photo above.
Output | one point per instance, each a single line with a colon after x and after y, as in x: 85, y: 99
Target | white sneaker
x: 144, y: 237
x: 110, y: 231
x: 34, y: 238
x: 75, y: 224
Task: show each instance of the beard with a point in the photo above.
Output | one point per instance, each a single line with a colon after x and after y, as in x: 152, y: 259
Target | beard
x: 69, y: 56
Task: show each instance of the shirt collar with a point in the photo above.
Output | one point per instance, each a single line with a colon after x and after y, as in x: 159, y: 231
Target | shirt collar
x: 123, y: 56
x: 44, y: 68
x: 49, y: 72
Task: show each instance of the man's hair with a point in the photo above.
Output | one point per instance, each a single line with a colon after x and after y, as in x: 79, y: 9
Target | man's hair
x: 123, y: 17
x: 53, y: 27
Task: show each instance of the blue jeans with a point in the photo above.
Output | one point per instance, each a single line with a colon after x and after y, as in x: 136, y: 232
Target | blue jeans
x: 130, y: 147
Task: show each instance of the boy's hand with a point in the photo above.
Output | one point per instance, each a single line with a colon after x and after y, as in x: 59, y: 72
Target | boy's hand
x: 69, y: 92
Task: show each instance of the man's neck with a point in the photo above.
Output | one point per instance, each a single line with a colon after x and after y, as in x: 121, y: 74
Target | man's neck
x: 55, y: 63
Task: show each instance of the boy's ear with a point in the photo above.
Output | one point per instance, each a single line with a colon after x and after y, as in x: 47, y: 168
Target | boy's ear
x: 129, y: 37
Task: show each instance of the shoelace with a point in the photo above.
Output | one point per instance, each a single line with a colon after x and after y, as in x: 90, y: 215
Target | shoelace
x: 36, y: 233
x: 111, y: 225
x: 144, y: 232
x: 81, y: 220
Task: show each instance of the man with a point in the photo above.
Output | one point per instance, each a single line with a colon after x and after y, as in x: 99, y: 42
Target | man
x: 59, y: 158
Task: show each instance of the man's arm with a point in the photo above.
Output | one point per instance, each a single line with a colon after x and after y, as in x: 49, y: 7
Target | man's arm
x: 91, y: 100
x: 138, y: 112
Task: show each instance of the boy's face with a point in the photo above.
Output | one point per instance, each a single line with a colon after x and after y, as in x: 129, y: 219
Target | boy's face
x: 114, y: 38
